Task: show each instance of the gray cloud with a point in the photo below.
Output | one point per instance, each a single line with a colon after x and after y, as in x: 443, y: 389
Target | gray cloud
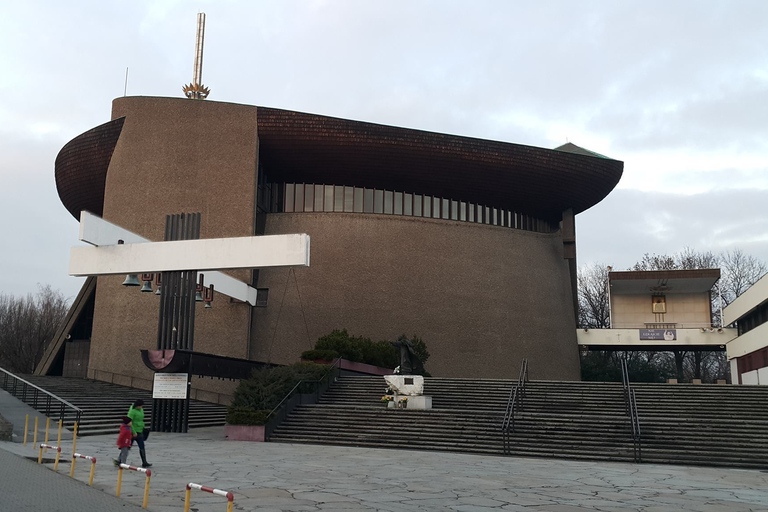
x: 632, y: 81
x: 630, y: 223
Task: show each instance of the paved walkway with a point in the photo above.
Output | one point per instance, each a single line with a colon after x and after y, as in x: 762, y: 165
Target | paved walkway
x: 27, y: 487
x: 273, y: 477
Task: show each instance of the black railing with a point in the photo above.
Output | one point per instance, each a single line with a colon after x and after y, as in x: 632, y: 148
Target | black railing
x: 516, y: 396
x: 630, y: 404
x: 304, y: 392
x: 37, y: 397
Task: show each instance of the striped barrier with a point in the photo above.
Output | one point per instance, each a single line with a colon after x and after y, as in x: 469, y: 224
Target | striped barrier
x: 58, y: 454
x: 230, y: 497
x: 76, y: 456
x: 148, y: 472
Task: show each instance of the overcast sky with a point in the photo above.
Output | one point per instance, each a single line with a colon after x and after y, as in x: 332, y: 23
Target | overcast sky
x: 677, y: 90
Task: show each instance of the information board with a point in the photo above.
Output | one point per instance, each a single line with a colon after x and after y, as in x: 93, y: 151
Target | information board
x: 170, y: 385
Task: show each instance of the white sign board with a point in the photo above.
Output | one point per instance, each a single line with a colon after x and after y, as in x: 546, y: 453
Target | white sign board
x: 170, y: 385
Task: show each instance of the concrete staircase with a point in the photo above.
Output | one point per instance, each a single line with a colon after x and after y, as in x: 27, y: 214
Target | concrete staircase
x: 103, y: 404
x: 704, y: 424
x: 685, y: 424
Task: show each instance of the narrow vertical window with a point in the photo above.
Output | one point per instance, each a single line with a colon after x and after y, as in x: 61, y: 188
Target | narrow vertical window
x: 339, y: 198
x: 427, y: 206
x: 358, y: 200
x: 378, y: 201
x: 398, y: 203
x: 319, y: 193
x: 289, y: 197
x: 368, y: 200
x: 417, y: 210
x: 299, y: 202
x: 407, y: 204
x: 349, y: 199
x: 388, y: 202
x: 309, y: 197
x: 328, y: 201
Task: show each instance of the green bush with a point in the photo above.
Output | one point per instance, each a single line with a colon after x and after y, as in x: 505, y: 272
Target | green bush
x: 319, y: 355
x: 268, y: 386
x: 246, y: 416
x: 363, y: 350
x: 346, y: 346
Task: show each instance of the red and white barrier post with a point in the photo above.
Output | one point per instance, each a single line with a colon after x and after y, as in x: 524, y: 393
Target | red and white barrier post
x: 230, y: 497
x: 148, y: 472
x: 58, y: 454
x: 76, y: 456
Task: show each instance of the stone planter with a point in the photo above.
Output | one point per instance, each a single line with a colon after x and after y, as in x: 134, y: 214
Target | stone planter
x: 244, y: 432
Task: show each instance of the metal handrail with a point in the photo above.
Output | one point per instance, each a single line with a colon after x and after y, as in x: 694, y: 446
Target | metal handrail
x: 516, y: 395
x: 630, y: 403
x: 48, y: 395
x: 269, y: 426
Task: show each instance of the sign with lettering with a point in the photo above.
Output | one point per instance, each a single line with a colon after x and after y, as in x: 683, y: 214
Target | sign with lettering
x: 658, y: 334
x: 170, y: 385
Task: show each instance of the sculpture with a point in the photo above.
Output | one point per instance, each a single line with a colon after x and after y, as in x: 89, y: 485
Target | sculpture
x: 410, y: 364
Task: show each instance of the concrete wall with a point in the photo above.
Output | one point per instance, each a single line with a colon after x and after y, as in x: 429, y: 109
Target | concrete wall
x: 481, y: 297
x: 174, y: 156
x: 687, y: 310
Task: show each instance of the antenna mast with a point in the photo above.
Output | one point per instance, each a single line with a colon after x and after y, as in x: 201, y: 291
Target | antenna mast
x: 196, y: 90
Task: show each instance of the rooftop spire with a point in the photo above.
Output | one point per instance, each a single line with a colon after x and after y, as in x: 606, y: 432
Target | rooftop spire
x: 196, y: 90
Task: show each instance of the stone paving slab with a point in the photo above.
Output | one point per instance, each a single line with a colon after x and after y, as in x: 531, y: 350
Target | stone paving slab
x: 26, y: 486
x: 284, y: 477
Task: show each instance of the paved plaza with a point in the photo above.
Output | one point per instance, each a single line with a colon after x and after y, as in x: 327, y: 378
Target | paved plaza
x: 283, y: 477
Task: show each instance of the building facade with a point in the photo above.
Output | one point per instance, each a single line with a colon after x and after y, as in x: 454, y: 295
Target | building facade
x: 468, y: 243
x: 748, y: 353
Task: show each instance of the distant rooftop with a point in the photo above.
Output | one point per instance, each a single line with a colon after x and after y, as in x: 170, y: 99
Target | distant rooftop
x: 663, y: 281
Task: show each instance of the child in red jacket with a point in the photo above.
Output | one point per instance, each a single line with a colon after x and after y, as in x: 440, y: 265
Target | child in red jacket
x: 124, y: 440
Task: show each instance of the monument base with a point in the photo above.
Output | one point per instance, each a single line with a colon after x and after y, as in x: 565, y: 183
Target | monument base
x: 420, y: 402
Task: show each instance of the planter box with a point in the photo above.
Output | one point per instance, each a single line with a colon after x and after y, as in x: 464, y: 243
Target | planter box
x: 244, y: 433
x: 362, y: 368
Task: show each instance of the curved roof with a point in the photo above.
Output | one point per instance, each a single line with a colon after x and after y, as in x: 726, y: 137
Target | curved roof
x: 307, y: 148
x: 81, y: 168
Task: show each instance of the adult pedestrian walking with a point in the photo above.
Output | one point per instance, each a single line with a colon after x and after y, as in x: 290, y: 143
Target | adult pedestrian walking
x: 140, y: 432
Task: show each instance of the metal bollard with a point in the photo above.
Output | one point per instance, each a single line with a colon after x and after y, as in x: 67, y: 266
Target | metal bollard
x: 47, y: 427
x: 26, y: 429
x: 230, y: 497
x: 148, y: 472
x: 76, y: 456
x: 46, y: 446
x: 34, y: 441
x: 58, y: 441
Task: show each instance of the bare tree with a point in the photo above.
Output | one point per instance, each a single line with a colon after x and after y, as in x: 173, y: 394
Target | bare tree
x: 738, y: 272
x: 27, y: 324
x: 593, y: 297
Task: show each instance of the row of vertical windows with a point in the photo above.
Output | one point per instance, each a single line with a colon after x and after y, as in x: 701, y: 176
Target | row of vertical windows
x: 307, y: 197
x: 754, y: 319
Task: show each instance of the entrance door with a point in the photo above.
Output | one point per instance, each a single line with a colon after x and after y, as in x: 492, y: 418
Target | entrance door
x: 76, y: 358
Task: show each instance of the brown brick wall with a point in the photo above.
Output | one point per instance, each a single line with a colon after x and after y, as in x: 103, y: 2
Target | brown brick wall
x: 481, y: 297
x: 174, y: 156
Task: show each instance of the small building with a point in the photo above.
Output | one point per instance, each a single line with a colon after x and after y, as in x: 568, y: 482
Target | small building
x: 659, y: 310
x: 748, y: 352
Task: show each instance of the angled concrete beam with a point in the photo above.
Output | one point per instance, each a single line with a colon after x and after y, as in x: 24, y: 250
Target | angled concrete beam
x: 201, y: 255
x: 98, y: 232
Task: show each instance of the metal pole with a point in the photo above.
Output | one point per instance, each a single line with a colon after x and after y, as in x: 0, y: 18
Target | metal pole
x: 26, y: 429
x: 146, y: 492
x: 119, y: 480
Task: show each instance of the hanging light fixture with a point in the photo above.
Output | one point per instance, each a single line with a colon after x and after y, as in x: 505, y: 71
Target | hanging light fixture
x: 147, y: 279
x: 158, y: 283
x: 199, y: 289
x: 131, y: 280
x: 208, y: 296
